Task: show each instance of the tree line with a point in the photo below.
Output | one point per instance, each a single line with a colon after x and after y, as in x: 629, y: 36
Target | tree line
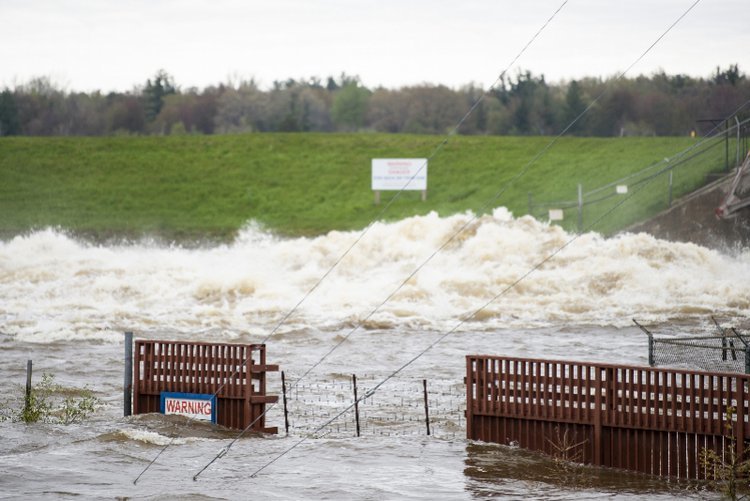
x: 524, y: 104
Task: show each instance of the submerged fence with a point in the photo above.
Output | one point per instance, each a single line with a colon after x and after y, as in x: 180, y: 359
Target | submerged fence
x: 396, y: 410
x: 643, y: 419
x: 234, y: 373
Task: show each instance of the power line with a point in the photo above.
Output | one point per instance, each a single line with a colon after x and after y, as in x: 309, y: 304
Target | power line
x: 460, y: 230
x: 710, y: 140
x: 442, y: 337
x: 364, y: 232
x: 670, y: 164
x: 708, y: 136
x: 435, y: 151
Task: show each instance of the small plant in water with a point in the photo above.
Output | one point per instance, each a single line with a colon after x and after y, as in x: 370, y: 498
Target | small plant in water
x: 728, y: 469
x: 50, y: 403
x: 567, y: 460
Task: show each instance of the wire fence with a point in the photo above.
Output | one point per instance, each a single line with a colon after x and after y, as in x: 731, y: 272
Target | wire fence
x: 397, y: 409
x: 709, y: 353
x: 725, y: 351
x: 661, y: 182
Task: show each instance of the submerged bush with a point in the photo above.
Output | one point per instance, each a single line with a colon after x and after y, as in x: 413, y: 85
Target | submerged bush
x: 727, y: 470
x: 50, y: 403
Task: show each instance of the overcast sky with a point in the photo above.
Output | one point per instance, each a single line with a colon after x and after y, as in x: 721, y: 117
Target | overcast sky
x: 117, y: 44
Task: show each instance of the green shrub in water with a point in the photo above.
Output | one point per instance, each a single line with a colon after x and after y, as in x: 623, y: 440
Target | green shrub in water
x: 50, y: 403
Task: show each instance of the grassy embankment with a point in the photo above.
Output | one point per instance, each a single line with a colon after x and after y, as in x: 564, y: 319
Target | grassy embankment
x: 207, y: 187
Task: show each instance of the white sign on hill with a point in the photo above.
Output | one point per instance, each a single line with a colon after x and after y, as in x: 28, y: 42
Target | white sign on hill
x: 556, y: 214
x: 398, y: 174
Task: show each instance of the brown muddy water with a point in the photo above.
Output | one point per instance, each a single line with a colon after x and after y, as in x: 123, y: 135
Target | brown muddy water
x: 392, y: 459
x: 65, y: 304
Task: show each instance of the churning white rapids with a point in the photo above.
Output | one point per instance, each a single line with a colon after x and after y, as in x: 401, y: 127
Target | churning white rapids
x: 65, y: 303
x: 54, y: 287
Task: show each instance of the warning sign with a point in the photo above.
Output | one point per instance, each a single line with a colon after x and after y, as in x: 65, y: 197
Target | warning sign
x: 192, y: 405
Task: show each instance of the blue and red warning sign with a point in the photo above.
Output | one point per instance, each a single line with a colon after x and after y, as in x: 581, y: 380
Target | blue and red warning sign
x: 192, y: 405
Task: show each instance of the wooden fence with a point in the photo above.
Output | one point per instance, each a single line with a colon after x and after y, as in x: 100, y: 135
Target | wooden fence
x: 235, y: 373
x: 643, y: 419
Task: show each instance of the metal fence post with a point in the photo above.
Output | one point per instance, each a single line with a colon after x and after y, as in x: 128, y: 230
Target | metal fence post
x: 530, y: 199
x: 27, y: 399
x: 580, y: 208
x: 726, y: 145
x: 426, y: 407
x: 650, y: 350
x: 356, y: 403
x: 737, y: 163
x: 128, y: 380
x: 670, y: 188
x: 286, y: 410
x: 650, y: 343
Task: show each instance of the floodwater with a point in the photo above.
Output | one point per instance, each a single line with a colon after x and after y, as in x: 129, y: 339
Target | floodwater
x: 64, y: 304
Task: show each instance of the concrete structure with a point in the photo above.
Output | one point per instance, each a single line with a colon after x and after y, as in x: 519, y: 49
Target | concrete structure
x: 693, y: 218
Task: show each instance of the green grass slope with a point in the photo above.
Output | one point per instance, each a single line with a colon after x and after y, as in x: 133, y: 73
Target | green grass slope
x: 207, y: 187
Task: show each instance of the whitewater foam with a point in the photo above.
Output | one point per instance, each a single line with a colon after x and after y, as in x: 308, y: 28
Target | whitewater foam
x: 151, y: 437
x: 55, y: 287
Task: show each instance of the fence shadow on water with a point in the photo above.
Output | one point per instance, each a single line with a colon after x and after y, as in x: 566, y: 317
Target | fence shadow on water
x: 510, y: 472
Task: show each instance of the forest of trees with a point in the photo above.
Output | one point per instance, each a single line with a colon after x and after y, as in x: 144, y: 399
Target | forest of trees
x: 525, y: 104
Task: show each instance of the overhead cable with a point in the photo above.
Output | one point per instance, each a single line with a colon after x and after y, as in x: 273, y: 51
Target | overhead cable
x: 459, y: 231
x: 435, y: 151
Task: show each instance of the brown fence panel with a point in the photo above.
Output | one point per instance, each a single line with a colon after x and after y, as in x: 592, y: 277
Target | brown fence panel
x: 643, y: 419
x: 235, y: 373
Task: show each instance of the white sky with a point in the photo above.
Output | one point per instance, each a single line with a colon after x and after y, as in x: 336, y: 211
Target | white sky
x: 116, y: 44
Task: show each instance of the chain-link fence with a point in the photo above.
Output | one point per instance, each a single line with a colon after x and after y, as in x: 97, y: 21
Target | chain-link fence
x: 649, y: 190
x: 726, y: 351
